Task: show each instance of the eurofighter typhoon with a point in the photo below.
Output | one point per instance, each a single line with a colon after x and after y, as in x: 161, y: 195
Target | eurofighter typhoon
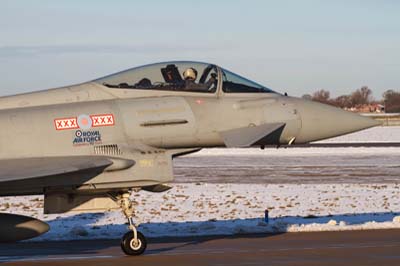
x: 86, y: 147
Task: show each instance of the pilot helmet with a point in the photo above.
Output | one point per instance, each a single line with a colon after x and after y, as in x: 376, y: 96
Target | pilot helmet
x: 190, y: 74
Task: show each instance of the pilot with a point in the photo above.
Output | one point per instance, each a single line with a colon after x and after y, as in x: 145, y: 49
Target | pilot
x: 190, y: 76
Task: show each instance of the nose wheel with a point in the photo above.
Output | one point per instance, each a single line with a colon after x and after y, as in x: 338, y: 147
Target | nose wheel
x: 133, y: 243
x: 133, y: 246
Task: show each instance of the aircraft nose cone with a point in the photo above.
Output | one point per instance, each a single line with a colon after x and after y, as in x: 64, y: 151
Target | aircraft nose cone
x: 321, y: 121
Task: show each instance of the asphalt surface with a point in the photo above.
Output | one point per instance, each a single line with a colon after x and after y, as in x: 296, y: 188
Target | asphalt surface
x: 377, y: 247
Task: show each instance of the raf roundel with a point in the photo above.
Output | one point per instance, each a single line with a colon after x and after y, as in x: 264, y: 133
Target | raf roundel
x: 84, y: 122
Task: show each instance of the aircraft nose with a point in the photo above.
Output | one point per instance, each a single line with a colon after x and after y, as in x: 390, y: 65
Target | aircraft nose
x: 321, y: 121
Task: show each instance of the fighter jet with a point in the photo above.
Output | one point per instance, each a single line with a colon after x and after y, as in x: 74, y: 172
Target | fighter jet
x: 86, y: 147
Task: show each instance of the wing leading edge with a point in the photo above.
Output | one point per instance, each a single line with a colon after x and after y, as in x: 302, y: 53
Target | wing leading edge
x: 19, y: 175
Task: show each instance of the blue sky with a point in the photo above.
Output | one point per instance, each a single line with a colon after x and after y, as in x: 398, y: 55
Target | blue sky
x: 292, y: 46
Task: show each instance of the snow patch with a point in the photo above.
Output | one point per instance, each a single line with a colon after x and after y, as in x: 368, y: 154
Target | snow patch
x: 332, y: 222
x: 226, y: 209
x: 374, y: 134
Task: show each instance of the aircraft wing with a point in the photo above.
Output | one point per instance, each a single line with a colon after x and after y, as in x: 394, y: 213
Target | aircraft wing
x: 17, y: 169
x: 15, y: 174
x: 141, y: 166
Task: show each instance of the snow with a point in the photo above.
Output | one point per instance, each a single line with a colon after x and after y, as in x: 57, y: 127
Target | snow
x: 298, y: 165
x: 225, y: 209
x: 374, y: 134
x: 291, y: 152
x: 291, y: 165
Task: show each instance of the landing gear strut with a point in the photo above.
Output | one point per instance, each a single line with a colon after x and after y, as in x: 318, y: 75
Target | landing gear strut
x: 133, y: 243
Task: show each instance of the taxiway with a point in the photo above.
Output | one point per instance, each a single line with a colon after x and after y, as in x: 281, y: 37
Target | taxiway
x: 377, y: 247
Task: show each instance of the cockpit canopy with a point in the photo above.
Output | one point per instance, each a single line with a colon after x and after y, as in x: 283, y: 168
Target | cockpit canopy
x: 181, y: 76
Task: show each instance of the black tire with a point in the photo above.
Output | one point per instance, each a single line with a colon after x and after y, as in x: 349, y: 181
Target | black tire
x: 127, y: 244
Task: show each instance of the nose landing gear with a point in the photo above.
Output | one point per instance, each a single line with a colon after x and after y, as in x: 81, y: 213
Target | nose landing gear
x: 133, y: 243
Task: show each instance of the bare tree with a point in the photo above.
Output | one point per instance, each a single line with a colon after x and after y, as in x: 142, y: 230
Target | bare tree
x: 391, y: 99
x: 343, y: 101
x: 361, y: 96
x: 356, y: 99
x: 321, y: 96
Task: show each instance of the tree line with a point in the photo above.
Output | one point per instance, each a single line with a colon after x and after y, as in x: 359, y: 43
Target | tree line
x: 360, y: 97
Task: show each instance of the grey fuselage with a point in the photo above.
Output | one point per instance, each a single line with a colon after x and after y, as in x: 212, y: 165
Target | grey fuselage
x: 150, y: 127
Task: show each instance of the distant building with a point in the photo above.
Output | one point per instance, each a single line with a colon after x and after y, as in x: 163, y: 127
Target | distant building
x: 368, y: 108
